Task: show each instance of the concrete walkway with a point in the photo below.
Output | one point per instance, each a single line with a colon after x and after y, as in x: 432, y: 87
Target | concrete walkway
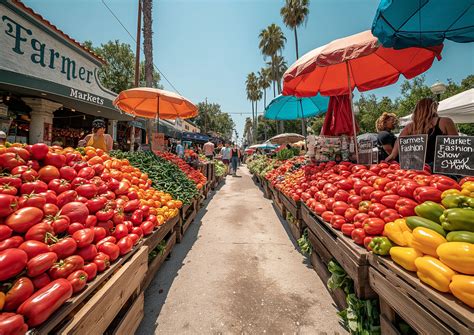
x: 238, y: 272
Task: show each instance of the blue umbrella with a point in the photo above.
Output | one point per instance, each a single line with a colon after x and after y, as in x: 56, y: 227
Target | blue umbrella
x: 288, y: 107
x: 401, y: 24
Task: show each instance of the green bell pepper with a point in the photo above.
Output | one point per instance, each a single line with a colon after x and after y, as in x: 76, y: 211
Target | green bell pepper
x: 430, y: 210
x: 458, y: 219
x: 461, y: 236
x: 457, y: 201
x: 380, y: 245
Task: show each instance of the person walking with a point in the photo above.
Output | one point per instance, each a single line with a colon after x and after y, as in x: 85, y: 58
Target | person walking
x: 98, y: 139
x: 180, y: 150
x: 208, y: 149
x: 235, y: 156
x: 226, y: 155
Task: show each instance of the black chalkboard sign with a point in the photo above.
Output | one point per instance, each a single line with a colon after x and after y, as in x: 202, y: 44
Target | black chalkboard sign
x: 454, y: 155
x: 365, y: 152
x: 412, y: 151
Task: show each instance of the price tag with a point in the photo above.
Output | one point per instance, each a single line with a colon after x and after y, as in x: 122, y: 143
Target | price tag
x: 412, y: 153
x: 454, y: 155
x: 365, y: 152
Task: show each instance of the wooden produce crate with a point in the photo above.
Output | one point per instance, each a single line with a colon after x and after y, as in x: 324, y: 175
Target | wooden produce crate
x: 320, y: 258
x: 98, y: 313
x: 159, y: 234
x: 187, y: 215
x: 266, y: 188
x: 156, y: 263
x: 296, y: 226
x: 129, y: 318
x: 350, y: 256
x: 292, y: 206
x: 422, y: 307
x: 278, y: 203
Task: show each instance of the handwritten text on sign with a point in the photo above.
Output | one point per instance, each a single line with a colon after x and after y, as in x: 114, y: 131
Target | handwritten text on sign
x: 413, y: 151
x: 454, y: 155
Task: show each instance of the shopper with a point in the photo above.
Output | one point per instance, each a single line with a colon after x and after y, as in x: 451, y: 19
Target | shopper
x: 3, y: 137
x: 179, y: 150
x: 209, y: 150
x: 425, y: 120
x: 226, y: 154
x: 385, y: 124
x: 98, y: 139
x: 235, y: 156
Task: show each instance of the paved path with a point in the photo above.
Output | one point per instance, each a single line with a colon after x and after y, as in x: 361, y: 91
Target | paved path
x: 238, y: 272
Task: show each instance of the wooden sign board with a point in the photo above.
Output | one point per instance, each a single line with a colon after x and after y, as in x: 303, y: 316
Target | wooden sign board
x: 454, y: 155
x: 158, y: 141
x: 412, y: 151
x: 365, y: 152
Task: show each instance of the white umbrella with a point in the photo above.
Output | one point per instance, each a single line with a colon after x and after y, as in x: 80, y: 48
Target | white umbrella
x: 287, y: 138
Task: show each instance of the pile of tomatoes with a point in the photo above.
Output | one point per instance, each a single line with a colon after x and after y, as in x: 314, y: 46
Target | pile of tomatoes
x: 192, y: 173
x: 64, y: 217
x: 359, y: 200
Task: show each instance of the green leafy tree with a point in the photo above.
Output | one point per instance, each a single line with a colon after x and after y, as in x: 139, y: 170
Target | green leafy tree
x: 294, y: 14
x: 119, y: 71
x: 211, y: 118
x: 370, y: 108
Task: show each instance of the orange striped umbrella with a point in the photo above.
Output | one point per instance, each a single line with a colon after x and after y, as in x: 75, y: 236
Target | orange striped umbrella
x: 154, y: 103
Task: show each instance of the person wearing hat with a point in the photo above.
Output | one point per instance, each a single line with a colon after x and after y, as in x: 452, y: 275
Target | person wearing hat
x: 98, y: 139
x: 3, y: 137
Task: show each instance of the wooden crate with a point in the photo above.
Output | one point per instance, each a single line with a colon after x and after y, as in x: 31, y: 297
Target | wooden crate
x: 266, y: 189
x: 159, y: 234
x: 156, y: 263
x: 296, y: 226
x: 422, y: 307
x: 129, y: 319
x: 350, y: 256
x: 294, y: 207
x: 187, y: 215
x: 320, y: 258
x: 95, y: 316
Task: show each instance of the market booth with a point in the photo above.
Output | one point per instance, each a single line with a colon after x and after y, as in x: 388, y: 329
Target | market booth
x: 49, y: 85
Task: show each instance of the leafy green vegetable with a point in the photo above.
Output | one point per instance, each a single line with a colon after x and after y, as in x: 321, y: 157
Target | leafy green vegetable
x: 305, y: 244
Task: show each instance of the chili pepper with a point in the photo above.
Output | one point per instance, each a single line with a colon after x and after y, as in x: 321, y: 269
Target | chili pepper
x: 380, y: 245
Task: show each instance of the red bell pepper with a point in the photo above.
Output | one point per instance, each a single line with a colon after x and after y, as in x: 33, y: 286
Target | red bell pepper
x: 444, y: 183
x: 427, y: 193
x: 347, y: 228
x: 367, y: 241
x: 406, y: 207
x: 406, y: 188
x: 12, y: 324
x: 390, y: 200
x: 374, y: 226
x: 358, y: 235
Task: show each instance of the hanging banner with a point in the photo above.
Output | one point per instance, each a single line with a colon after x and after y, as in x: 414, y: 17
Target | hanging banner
x: 412, y: 153
x: 454, y: 155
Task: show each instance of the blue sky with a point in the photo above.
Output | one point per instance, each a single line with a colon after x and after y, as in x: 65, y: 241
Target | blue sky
x: 206, y: 48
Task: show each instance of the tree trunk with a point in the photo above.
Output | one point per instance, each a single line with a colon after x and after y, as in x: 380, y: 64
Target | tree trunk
x: 253, y: 122
x: 296, y: 43
x: 148, y: 51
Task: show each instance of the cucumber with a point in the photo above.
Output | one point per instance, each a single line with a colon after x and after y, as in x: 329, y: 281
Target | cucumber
x: 461, y: 236
x: 416, y: 221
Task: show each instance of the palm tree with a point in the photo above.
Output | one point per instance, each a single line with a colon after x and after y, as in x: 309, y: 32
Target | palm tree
x: 294, y: 13
x: 264, y: 81
x: 272, y: 41
x: 251, y: 87
x: 148, y: 52
x: 279, y: 66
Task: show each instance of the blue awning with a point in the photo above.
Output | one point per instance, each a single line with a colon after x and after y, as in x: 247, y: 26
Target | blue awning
x: 195, y: 137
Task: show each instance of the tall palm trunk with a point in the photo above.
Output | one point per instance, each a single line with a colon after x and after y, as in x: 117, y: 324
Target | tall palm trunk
x: 253, y: 121
x: 296, y: 43
x: 148, y: 51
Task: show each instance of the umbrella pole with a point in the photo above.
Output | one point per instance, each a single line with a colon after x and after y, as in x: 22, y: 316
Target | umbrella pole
x: 303, y: 124
x: 352, y: 112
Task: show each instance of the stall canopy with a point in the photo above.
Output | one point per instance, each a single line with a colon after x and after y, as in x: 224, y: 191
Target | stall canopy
x: 197, y: 137
x: 459, y: 107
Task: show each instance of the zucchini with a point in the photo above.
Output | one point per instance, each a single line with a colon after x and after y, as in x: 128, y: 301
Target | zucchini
x: 461, y: 236
x: 416, y: 221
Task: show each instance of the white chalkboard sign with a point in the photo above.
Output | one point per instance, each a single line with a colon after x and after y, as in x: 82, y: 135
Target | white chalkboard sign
x: 412, y: 151
x: 454, y: 155
x: 365, y: 152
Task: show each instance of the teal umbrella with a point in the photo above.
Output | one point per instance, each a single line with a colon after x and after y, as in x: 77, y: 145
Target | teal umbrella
x: 401, y: 24
x: 288, y: 107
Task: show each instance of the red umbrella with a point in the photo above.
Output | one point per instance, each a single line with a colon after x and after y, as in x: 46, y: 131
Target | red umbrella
x: 355, y: 61
x: 338, y: 120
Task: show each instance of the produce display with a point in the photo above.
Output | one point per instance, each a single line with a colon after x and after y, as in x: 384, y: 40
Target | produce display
x: 220, y: 168
x: 424, y: 222
x: 164, y: 175
x: 192, y: 173
x: 64, y: 218
x: 260, y: 165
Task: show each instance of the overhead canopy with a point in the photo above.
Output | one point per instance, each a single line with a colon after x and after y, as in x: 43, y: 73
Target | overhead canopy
x: 292, y: 108
x: 286, y: 138
x: 196, y: 137
x: 459, y: 107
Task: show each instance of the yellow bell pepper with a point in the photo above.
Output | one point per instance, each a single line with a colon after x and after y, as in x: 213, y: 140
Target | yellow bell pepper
x: 398, y: 232
x: 426, y: 240
x: 450, y: 192
x: 467, y: 193
x: 434, y: 273
x: 462, y: 287
x: 457, y: 255
x: 405, y: 257
x: 468, y: 185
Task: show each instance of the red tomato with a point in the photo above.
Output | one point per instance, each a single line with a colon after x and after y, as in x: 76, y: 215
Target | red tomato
x: 68, y: 173
x: 41, y: 263
x: 39, y: 232
x: 354, y: 200
x: 21, y: 290
x: 64, y: 247
x: 12, y: 262
x: 55, y: 159
x: 327, y: 216
x: 34, y: 248
x: 13, y: 323
x: 339, y: 208
x: 59, y: 185
x: 125, y: 245
x: 75, y: 211
x: 147, y: 227
x: 366, y: 191
x: 87, y: 190
x: 8, y: 204
x: 91, y: 270
x: 41, y: 281
x: 102, y: 261
x: 66, y: 267
x: 37, y: 186
x: 48, y: 173
x: 137, y: 231
x: 66, y: 197
x: 50, y: 209
x: 88, y: 252
x: 390, y: 200
x: 86, y: 173
x: 7, y: 189
x: 83, y: 237
x: 73, y: 227
x: 31, y: 200
x: 5, y: 232
x: 11, y: 242
x: 24, y: 218
x: 39, y: 151
x: 376, y: 196
x: 78, y: 280
x: 110, y: 249
x: 350, y: 213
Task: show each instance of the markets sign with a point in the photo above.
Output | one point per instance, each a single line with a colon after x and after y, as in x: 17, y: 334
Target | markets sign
x: 412, y: 153
x: 454, y: 155
x: 85, y: 96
